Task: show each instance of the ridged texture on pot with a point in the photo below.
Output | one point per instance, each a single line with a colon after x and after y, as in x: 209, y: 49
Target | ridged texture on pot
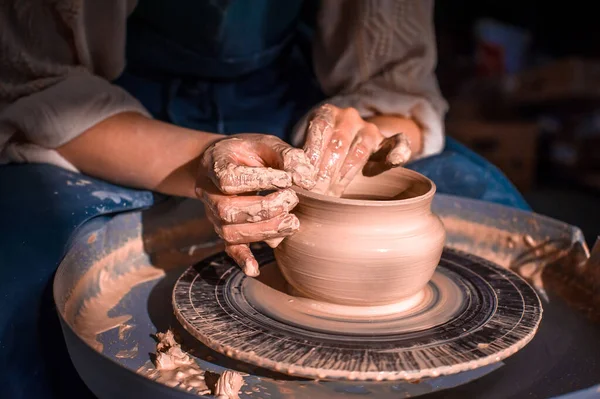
x: 355, y: 251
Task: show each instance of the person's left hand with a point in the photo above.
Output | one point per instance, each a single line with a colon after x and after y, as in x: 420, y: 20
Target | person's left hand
x: 231, y: 174
x: 340, y: 144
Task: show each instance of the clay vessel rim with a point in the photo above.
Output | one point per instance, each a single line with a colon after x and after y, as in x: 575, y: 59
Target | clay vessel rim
x: 372, y: 203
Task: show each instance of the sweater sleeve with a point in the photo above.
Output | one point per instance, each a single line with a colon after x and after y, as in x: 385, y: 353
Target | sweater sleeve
x: 379, y: 56
x: 56, y: 62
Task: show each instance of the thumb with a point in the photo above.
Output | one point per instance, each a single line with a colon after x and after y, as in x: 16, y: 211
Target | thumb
x: 296, y: 162
x: 394, y: 151
x: 292, y: 160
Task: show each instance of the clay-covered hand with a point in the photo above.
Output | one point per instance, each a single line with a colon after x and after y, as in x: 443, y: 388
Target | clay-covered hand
x: 232, y: 173
x: 339, y: 143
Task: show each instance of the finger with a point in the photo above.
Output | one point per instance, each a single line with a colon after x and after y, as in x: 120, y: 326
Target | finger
x: 242, y: 255
x: 278, y: 154
x: 336, y: 150
x: 365, y: 143
x: 401, y: 151
x: 250, y: 209
x: 394, y: 150
x: 217, y: 225
x: 238, y: 179
x: 214, y: 220
x: 280, y: 226
x: 297, y: 164
x: 320, y: 129
x: 274, y: 242
x: 217, y: 222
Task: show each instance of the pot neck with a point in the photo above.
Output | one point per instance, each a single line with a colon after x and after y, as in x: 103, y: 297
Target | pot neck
x: 342, y: 212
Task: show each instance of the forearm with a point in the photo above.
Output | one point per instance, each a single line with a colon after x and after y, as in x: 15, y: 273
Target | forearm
x: 132, y: 150
x: 391, y: 124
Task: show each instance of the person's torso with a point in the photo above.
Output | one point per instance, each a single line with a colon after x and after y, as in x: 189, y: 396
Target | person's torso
x: 220, y: 65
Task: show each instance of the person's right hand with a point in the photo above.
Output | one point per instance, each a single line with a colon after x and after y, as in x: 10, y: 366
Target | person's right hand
x: 232, y: 173
x: 341, y: 145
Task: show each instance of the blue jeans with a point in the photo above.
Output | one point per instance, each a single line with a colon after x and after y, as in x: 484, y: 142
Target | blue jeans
x: 461, y: 172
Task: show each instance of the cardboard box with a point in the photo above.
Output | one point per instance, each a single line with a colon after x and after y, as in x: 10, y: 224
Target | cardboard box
x: 511, y: 146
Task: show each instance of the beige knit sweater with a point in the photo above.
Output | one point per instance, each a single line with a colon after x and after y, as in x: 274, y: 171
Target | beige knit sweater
x: 58, y: 57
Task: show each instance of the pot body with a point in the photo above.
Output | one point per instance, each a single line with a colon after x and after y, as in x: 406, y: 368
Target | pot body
x: 365, y: 252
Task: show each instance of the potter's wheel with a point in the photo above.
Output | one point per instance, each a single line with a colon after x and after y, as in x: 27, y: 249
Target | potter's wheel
x: 471, y: 314
x: 114, y: 287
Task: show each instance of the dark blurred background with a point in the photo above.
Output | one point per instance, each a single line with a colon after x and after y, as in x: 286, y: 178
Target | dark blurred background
x: 523, y: 82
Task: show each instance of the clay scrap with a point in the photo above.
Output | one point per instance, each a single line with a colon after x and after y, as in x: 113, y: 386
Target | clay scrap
x: 228, y: 385
x: 175, y: 368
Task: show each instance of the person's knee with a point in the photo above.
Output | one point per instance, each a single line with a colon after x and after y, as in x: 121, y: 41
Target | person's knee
x: 454, y: 174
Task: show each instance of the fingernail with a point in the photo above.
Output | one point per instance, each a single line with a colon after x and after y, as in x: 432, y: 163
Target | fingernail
x: 289, y: 224
x: 250, y: 268
x: 274, y: 242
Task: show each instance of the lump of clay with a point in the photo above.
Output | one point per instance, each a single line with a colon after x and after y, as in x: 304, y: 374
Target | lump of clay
x: 169, y: 354
x: 175, y: 368
x: 228, y: 385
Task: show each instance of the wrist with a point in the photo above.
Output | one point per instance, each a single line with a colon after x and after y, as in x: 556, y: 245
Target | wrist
x: 182, y: 182
x: 135, y: 151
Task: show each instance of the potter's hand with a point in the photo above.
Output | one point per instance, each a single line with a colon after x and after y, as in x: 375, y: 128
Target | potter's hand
x: 247, y: 164
x: 340, y: 144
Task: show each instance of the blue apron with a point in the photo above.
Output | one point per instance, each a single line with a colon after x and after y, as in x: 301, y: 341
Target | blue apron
x: 225, y: 66
x: 222, y: 66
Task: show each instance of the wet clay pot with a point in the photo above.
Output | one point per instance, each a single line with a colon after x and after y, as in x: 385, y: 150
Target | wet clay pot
x: 379, y: 244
